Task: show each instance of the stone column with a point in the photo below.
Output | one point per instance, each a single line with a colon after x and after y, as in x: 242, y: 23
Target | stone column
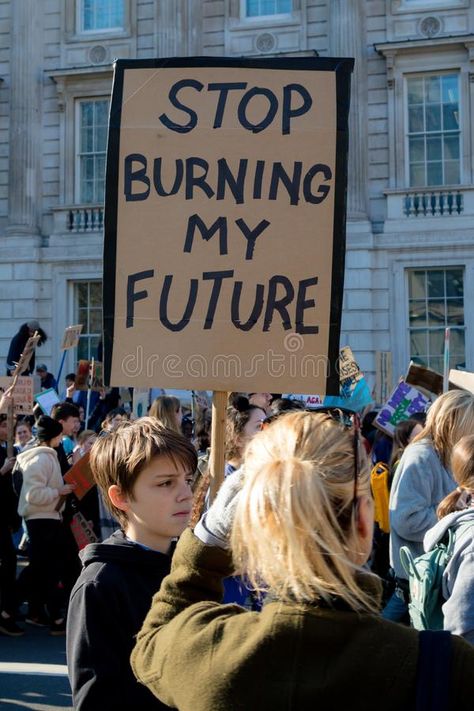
x: 170, y: 35
x: 24, y: 208
x: 347, y: 38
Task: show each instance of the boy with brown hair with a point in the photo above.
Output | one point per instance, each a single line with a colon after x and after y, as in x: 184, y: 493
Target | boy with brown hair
x: 144, y: 472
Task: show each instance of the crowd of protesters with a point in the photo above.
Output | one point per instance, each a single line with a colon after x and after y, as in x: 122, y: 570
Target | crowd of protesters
x: 318, y: 596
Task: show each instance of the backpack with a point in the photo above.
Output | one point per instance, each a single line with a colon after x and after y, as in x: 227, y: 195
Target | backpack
x: 425, y: 580
x: 379, y: 483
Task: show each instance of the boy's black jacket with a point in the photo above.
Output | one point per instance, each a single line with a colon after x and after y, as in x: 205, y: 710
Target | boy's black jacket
x: 108, y: 605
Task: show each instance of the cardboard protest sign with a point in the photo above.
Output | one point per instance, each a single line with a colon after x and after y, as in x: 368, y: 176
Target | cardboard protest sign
x: 81, y: 475
x: 47, y: 399
x: 404, y: 401
x: 84, y: 376
x: 71, y: 337
x: 422, y: 377
x: 225, y: 223
x: 308, y: 401
x: 22, y: 394
x: 25, y: 357
x: 461, y: 380
x: 354, y: 392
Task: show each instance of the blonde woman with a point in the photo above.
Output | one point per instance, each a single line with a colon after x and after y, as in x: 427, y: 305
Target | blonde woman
x: 300, y: 518
x: 167, y: 410
x: 421, y: 481
x: 456, y: 512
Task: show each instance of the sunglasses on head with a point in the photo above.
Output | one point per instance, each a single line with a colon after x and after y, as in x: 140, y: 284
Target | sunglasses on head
x: 347, y: 418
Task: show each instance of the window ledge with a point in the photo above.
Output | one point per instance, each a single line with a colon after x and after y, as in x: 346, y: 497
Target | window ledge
x: 78, y: 219
x: 97, y: 36
x: 257, y: 23
x: 391, y: 49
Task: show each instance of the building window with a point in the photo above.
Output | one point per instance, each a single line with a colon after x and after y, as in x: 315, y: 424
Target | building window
x: 436, y: 301
x: 263, y: 8
x: 100, y: 15
x: 433, y: 130
x: 88, y: 311
x: 91, y: 150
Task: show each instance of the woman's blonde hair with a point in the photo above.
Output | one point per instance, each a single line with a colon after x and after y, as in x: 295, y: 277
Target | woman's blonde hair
x: 164, y: 409
x: 449, y: 418
x: 296, y: 519
x: 462, y: 466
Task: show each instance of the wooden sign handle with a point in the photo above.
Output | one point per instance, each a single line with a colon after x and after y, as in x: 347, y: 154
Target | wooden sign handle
x: 217, y: 459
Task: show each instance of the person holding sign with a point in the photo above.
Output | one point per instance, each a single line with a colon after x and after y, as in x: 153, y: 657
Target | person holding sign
x: 422, y: 479
x: 297, y: 521
x: 18, y: 343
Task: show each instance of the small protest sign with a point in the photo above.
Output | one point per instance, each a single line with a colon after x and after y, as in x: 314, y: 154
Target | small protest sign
x: 89, y: 375
x: 47, y: 399
x: 461, y: 380
x: 354, y: 392
x: 308, y: 401
x: 422, y: 377
x: 225, y: 223
x: 71, y: 337
x: 349, y: 371
x: 80, y: 474
x: 22, y: 394
x: 404, y: 401
x: 25, y: 357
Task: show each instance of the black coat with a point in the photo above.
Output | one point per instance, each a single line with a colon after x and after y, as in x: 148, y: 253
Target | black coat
x: 107, y: 607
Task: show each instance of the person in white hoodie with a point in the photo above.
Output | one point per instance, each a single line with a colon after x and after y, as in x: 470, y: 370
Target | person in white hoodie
x: 40, y: 505
x: 456, y: 512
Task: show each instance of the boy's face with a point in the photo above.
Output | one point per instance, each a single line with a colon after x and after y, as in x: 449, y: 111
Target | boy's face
x: 161, y: 504
x: 68, y: 425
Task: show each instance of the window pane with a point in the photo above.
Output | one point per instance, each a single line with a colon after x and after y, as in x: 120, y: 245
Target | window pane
x: 415, y: 91
x: 96, y: 293
x: 433, y: 148
x: 83, y: 348
x: 95, y: 321
x: 81, y: 294
x: 102, y: 14
x: 450, y: 88
x: 450, y: 117
x: 436, y: 342
x: 436, y: 363
x: 433, y: 90
x: 417, y: 313
x: 94, y: 347
x: 452, y: 172
x: 455, y: 309
x: 417, y: 149
x: 434, y: 173
x: 417, y: 284
x: 454, y: 282
x: 433, y: 117
x: 435, y: 281
x: 417, y: 175
x: 436, y: 312
x: 418, y: 343
x: 451, y: 147
x: 415, y: 119
x: 82, y: 318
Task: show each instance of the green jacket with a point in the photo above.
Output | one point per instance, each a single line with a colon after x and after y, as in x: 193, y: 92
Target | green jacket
x: 198, y: 655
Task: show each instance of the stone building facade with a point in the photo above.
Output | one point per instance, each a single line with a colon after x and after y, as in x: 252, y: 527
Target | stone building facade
x: 410, y: 232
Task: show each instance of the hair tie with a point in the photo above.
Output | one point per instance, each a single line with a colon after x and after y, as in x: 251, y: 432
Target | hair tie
x: 460, y: 489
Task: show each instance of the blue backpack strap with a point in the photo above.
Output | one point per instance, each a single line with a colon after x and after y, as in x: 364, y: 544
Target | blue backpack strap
x: 433, y: 675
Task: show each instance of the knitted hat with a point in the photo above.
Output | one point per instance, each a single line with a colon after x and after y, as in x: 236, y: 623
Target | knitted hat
x: 42, y: 366
x: 47, y: 428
